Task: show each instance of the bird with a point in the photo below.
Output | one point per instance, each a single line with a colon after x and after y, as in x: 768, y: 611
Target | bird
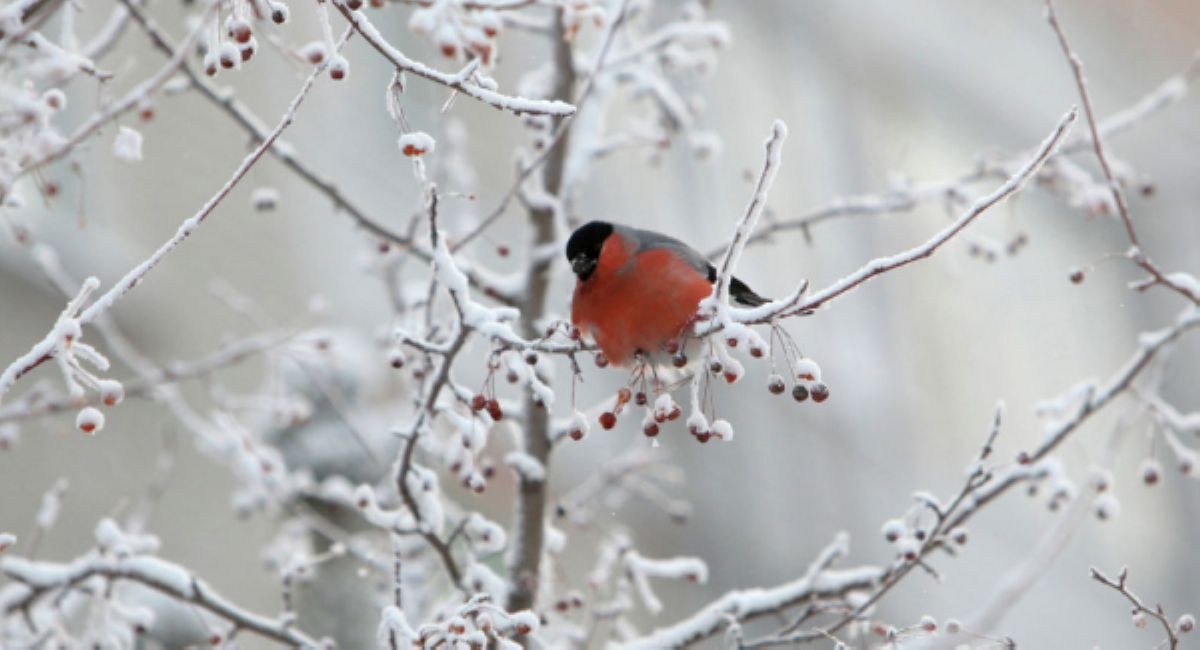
x: 637, y: 290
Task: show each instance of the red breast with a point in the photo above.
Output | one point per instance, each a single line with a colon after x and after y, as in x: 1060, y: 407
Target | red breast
x: 636, y: 300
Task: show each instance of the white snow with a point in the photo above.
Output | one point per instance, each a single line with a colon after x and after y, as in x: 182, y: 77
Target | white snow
x: 526, y: 466
x: 127, y: 146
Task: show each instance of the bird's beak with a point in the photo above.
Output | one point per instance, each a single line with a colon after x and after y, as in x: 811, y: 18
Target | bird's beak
x: 583, y: 266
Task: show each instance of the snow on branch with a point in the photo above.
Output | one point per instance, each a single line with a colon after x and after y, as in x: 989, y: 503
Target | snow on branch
x: 879, y: 266
x: 490, y: 96
x: 136, y: 96
x: 47, y: 347
x: 819, y: 582
x: 122, y: 556
x: 1182, y: 284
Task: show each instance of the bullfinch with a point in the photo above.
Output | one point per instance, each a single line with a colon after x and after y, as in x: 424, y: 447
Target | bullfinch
x: 637, y: 290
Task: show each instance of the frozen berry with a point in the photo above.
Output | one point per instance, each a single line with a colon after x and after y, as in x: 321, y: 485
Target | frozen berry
x: 601, y: 360
x: 679, y: 360
x: 1151, y: 471
x: 799, y: 392
x: 493, y: 409
x: 640, y: 398
x: 90, y: 420
x: 608, y: 420
x: 819, y: 392
x: 478, y: 403
x: 650, y: 429
x: 111, y: 392
x: 775, y: 384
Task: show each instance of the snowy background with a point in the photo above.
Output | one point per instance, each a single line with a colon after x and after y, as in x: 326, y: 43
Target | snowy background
x: 872, y: 90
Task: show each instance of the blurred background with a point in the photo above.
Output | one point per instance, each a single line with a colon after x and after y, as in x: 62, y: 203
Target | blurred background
x: 872, y: 90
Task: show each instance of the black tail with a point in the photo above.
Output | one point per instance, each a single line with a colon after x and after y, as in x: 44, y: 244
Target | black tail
x: 738, y: 290
x: 744, y: 295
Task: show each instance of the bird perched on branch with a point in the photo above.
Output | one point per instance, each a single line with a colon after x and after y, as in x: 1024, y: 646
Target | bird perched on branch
x: 638, y: 290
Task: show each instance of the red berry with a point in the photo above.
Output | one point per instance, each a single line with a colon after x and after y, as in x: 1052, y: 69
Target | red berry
x: 775, y: 385
x: 576, y: 434
x: 240, y: 32
x: 353, y: 5
x: 502, y: 251
x: 651, y: 429
x: 493, y: 409
x: 731, y: 342
x: 608, y: 420
x: 512, y: 377
x: 799, y: 392
x: 478, y: 403
x: 640, y: 398
x: 757, y: 352
x: 601, y: 360
x: 448, y: 50
x: 715, y: 367
x: 730, y: 377
x: 703, y: 436
x: 679, y: 360
x: 623, y: 396
x: 820, y: 392
x: 675, y: 413
x: 1076, y: 276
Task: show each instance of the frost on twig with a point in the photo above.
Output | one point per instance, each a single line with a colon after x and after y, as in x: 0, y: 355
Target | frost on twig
x: 1142, y: 612
x: 118, y: 557
x: 63, y: 344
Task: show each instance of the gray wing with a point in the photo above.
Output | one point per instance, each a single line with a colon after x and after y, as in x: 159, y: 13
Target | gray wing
x: 648, y: 239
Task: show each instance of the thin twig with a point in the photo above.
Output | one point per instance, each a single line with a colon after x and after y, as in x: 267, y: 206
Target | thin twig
x: 1114, y: 187
x: 1138, y: 607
